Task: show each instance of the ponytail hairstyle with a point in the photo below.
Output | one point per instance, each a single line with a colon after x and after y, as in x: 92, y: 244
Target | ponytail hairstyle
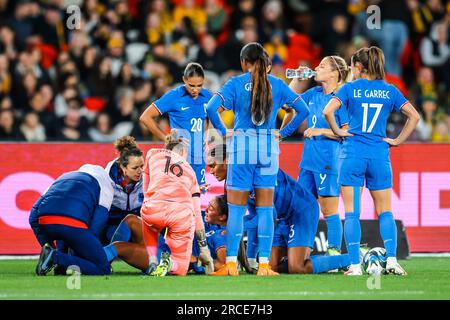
x: 372, y: 60
x: 338, y: 64
x: 193, y: 69
x: 126, y: 147
x: 261, y: 103
x: 174, y: 142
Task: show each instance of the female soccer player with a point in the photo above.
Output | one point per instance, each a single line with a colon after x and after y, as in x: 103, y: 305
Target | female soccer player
x: 172, y: 201
x: 186, y: 107
x: 74, y: 210
x: 126, y: 174
x: 320, y: 154
x: 365, y: 151
x: 296, y: 213
x: 255, y: 98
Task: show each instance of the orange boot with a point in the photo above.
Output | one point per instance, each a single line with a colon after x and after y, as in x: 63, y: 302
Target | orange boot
x: 228, y: 269
x: 265, y: 270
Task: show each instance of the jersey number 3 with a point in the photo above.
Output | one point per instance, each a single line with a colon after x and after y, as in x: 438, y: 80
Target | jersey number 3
x: 174, y: 168
x: 366, y: 107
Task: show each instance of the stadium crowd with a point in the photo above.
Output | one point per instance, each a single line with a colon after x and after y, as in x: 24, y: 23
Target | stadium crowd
x: 61, y: 80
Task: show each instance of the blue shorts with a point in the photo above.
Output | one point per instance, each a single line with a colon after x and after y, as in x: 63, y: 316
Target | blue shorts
x: 377, y: 173
x: 319, y: 184
x: 299, y: 230
x: 200, y: 172
x: 246, y: 176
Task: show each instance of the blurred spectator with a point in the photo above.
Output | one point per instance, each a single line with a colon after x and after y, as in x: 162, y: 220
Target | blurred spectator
x: 102, y: 130
x: 32, y: 129
x: 216, y: 17
x: 435, y: 51
x: 5, y: 76
x: 8, y: 126
x: 189, y: 10
x: 210, y: 56
x: 128, y: 53
x: 73, y: 127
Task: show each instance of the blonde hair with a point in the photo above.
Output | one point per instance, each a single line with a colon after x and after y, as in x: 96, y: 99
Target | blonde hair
x: 174, y: 141
x: 344, y: 71
x: 372, y: 60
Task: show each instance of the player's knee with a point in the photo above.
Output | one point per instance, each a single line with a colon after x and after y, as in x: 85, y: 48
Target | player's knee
x: 299, y: 268
x: 104, y: 269
x: 131, y: 219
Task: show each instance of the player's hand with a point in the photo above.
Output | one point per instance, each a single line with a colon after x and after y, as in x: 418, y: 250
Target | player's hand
x: 312, y: 132
x: 204, y: 187
x: 206, y: 260
x: 278, y: 136
x: 392, y: 142
x: 343, y: 133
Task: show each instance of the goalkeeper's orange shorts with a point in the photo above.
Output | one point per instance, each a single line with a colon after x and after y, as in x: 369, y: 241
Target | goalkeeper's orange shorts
x: 179, y: 220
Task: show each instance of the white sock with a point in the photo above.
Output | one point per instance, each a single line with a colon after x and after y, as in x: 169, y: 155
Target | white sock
x: 253, y: 263
x: 231, y: 259
x: 264, y: 260
x: 391, y: 260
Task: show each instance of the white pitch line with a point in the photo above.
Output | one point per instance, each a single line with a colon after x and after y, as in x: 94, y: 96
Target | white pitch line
x: 19, y: 257
x: 213, y: 294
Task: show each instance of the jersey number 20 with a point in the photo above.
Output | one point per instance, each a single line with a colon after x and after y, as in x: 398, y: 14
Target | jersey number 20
x: 197, y: 125
x: 366, y: 107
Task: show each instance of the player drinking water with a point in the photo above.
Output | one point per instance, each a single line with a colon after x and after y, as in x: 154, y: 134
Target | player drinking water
x: 255, y: 99
x: 364, y: 157
x: 320, y: 154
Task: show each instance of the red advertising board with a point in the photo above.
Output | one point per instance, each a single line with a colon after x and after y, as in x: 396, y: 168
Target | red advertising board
x: 421, y: 197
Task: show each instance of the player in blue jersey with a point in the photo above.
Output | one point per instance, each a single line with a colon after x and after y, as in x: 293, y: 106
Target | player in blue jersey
x: 186, y: 107
x: 255, y: 98
x: 126, y: 174
x: 364, y: 156
x: 296, y: 215
x: 74, y: 210
x: 320, y: 154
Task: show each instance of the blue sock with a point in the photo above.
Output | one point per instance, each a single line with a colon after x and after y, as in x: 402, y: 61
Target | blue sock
x: 265, y: 232
x: 122, y: 233
x: 322, y: 263
x: 235, y: 226
x: 388, y: 231
x: 334, y: 226
x: 252, y: 243
x: 352, y: 234
x: 111, y: 252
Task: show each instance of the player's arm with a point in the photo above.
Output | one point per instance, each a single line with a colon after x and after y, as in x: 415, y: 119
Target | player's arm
x: 205, y: 255
x: 301, y: 113
x: 214, y: 108
x: 333, y: 105
x: 413, y: 118
x: 315, y: 132
x: 98, y: 220
x: 148, y: 119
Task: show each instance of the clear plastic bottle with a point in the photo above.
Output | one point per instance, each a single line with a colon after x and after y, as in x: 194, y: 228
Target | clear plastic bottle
x: 303, y: 73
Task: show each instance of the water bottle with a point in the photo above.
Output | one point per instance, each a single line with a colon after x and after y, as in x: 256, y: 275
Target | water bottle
x: 303, y: 73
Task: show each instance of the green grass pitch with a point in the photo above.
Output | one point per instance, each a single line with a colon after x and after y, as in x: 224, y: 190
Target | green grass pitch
x: 428, y: 278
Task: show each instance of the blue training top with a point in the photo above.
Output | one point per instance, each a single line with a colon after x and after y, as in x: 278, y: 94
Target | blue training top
x: 85, y: 195
x: 188, y: 116
x: 320, y: 154
x: 368, y: 104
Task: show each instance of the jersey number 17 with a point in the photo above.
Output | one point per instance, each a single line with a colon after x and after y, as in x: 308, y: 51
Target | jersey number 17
x: 366, y: 107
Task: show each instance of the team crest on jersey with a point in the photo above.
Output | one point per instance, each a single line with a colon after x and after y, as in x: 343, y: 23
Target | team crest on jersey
x: 223, y: 232
x: 248, y: 86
